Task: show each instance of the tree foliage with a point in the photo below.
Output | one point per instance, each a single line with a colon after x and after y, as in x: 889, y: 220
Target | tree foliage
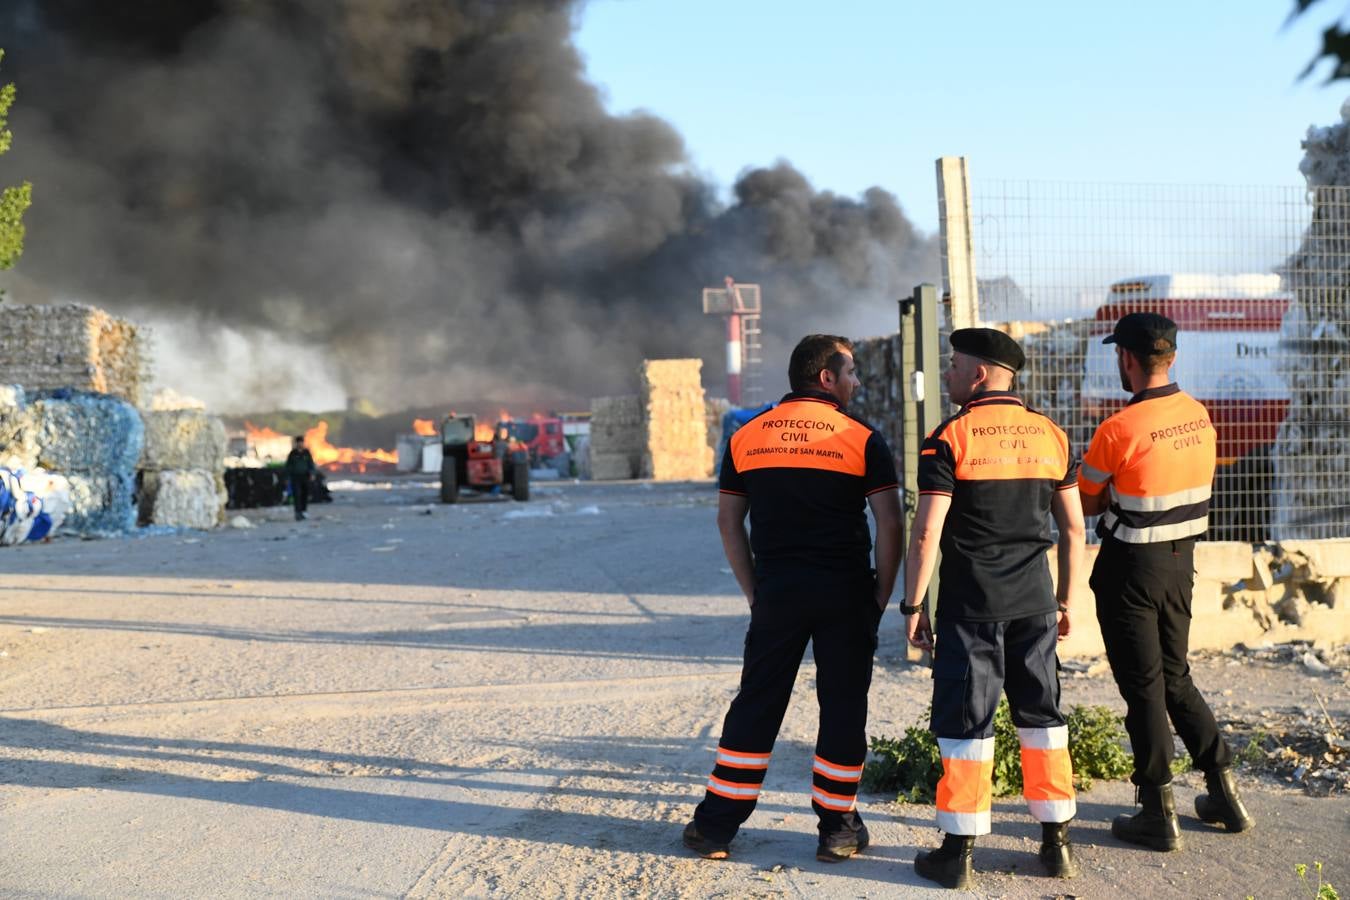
x: 13, y: 200
x: 1335, y: 45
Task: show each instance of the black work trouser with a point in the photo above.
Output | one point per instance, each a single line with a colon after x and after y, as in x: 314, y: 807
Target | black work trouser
x: 300, y: 493
x: 1144, y: 608
x: 838, y: 615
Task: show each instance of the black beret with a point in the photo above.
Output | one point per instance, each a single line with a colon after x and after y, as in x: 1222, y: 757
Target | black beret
x: 1142, y: 333
x: 990, y: 345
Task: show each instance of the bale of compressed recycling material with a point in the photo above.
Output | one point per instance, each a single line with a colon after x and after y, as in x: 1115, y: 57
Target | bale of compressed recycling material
x: 616, y: 438
x: 72, y: 346
x: 32, y: 505
x: 675, y: 431
x: 82, y: 432
x: 101, y: 503
x: 186, y: 439
x: 249, y: 488
x: 18, y: 436
x: 182, y: 498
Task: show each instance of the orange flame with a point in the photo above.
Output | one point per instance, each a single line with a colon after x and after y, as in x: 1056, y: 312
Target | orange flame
x: 483, y: 431
x: 424, y: 427
x: 261, y: 434
x: 342, y: 458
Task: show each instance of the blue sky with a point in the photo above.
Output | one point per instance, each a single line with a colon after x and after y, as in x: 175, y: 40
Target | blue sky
x: 862, y: 92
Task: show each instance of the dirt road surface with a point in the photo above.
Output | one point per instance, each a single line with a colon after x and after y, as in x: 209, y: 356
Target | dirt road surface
x: 496, y: 699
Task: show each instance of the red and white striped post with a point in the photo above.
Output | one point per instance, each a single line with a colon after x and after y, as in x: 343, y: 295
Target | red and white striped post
x: 734, y: 355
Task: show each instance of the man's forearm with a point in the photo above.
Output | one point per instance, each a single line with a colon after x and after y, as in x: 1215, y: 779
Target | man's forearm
x: 1070, y: 559
x: 736, y: 546
x: 887, y: 562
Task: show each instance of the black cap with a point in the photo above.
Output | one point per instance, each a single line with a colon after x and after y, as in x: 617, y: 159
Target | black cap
x: 990, y: 345
x: 1140, y: 332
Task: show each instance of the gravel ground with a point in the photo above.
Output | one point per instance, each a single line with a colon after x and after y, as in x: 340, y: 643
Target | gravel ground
x: 398, y: 698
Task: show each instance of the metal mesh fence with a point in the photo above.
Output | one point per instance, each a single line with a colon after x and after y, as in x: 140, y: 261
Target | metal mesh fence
x: 1258, y: 281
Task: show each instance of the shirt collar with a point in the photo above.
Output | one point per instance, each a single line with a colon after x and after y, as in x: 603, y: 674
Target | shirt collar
x: 990, y: 398
x: 817, y: 396
x: 1166, y: 390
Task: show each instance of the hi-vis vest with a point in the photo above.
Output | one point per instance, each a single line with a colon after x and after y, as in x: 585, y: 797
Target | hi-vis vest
x: 1158, y: 455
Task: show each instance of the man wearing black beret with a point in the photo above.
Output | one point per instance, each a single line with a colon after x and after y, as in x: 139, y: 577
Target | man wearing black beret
x: 990, y: 478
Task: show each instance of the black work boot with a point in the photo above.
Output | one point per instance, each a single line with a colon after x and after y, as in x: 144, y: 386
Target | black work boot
x: 950, y: 864
x: 1156, y: 825
x: 1222, y: 804
x: 704, y: 847
x: 1056, y: 851
x: 842, y: 845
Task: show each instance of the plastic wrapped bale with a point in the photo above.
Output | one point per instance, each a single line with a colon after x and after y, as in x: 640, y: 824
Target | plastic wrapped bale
x: 249, y: 488
x: 82, y: 432
x: 183, y: 439
x: 101, y: 503
x: 182, y: 498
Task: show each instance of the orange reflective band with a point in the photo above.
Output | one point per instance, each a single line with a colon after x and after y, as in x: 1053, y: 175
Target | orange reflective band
x: 929, y: 452
x: 837, y: 802
x: 731, y: 789
x: 1047, y: 774
x: 738, y: 760
x: 966, y: 786
x: 837, y: 773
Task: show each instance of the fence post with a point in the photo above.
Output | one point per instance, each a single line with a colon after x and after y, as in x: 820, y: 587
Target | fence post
x: 921, y: 397
x: 959, y: 289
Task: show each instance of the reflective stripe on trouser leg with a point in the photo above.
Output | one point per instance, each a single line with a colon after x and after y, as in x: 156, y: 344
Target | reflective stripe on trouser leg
x: 1047, y: 773
x: 737, y: 775
x: 965, y: 793
x: 834, y: 786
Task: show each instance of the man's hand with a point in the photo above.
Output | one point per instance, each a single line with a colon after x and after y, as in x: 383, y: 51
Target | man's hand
x: 919, y: 630
x: 1063, y: 624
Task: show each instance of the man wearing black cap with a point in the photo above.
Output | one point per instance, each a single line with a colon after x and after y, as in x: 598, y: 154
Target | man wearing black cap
x: 1148, y: 472
x: 990, y: 478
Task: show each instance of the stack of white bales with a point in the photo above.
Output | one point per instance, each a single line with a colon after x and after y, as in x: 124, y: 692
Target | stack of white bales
x: 18, y: 447
x: 616, y: 438
x: 676, y: 434
x: 183, y: 466
x: 95, y: 441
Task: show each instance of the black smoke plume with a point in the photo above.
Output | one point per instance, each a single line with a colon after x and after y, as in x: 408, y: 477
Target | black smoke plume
x: 430, y: 191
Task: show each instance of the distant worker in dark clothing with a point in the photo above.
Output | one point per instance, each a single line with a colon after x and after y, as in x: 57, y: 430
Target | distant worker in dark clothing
x: 300, y: 469
x: 805, y: 473
x: 1148, y: 472
x: 990, y: 480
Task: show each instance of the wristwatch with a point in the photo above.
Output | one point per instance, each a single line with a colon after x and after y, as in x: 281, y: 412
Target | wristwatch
x: 911, y: 610
x: 1063, y: 608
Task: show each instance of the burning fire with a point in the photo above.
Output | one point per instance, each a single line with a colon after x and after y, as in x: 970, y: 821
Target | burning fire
x: 424, y: 427
x: 343, y: 458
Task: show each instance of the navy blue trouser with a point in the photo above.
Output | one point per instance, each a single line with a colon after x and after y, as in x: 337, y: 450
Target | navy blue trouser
x: 1144, y: 608
x: 838, y: 615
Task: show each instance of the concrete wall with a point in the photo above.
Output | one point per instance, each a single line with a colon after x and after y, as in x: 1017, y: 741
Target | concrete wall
x: 1293, y: 591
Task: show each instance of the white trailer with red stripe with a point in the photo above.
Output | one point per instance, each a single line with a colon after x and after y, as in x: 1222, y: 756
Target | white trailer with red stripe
x: 1228, y: 333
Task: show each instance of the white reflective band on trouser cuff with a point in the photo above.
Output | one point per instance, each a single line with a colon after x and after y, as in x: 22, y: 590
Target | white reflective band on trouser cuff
x: 742, y: 760
x: 733, y: 790
x: 971, y: 824
x: 838, y: 773
x: 834, y: 802
x: 1052, y: 810
x: 1056, y: 738
x: 975, y: 750
x: 1159, y: 533
x: 1162, y: 503
x: 1091, y: 474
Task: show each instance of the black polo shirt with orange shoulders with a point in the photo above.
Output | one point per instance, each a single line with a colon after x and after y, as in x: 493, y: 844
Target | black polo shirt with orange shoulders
x: 1001, y: 464
x: 807, y: 468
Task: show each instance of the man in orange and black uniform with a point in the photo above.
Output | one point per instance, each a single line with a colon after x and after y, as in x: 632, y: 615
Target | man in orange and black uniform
x: 805, y: 472
x: 990, y: 479
x: 1148, y: 471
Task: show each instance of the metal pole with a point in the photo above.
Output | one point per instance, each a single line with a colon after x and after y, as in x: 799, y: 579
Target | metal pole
x: 930, y: 408
x: 734, y: 355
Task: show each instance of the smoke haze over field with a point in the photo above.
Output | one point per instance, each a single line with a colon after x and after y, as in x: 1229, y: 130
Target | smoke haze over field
x: 426, y: 196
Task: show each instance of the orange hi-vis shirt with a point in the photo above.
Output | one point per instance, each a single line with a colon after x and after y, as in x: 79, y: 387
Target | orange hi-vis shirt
x: 1158, y: 456
x: 807, y: 468
x: 1001, y: 464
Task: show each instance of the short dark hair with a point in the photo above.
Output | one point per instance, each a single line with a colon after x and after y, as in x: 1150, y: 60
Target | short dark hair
x: 1158, y: 359
x: 298, y: 439
x: 814, y: 354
